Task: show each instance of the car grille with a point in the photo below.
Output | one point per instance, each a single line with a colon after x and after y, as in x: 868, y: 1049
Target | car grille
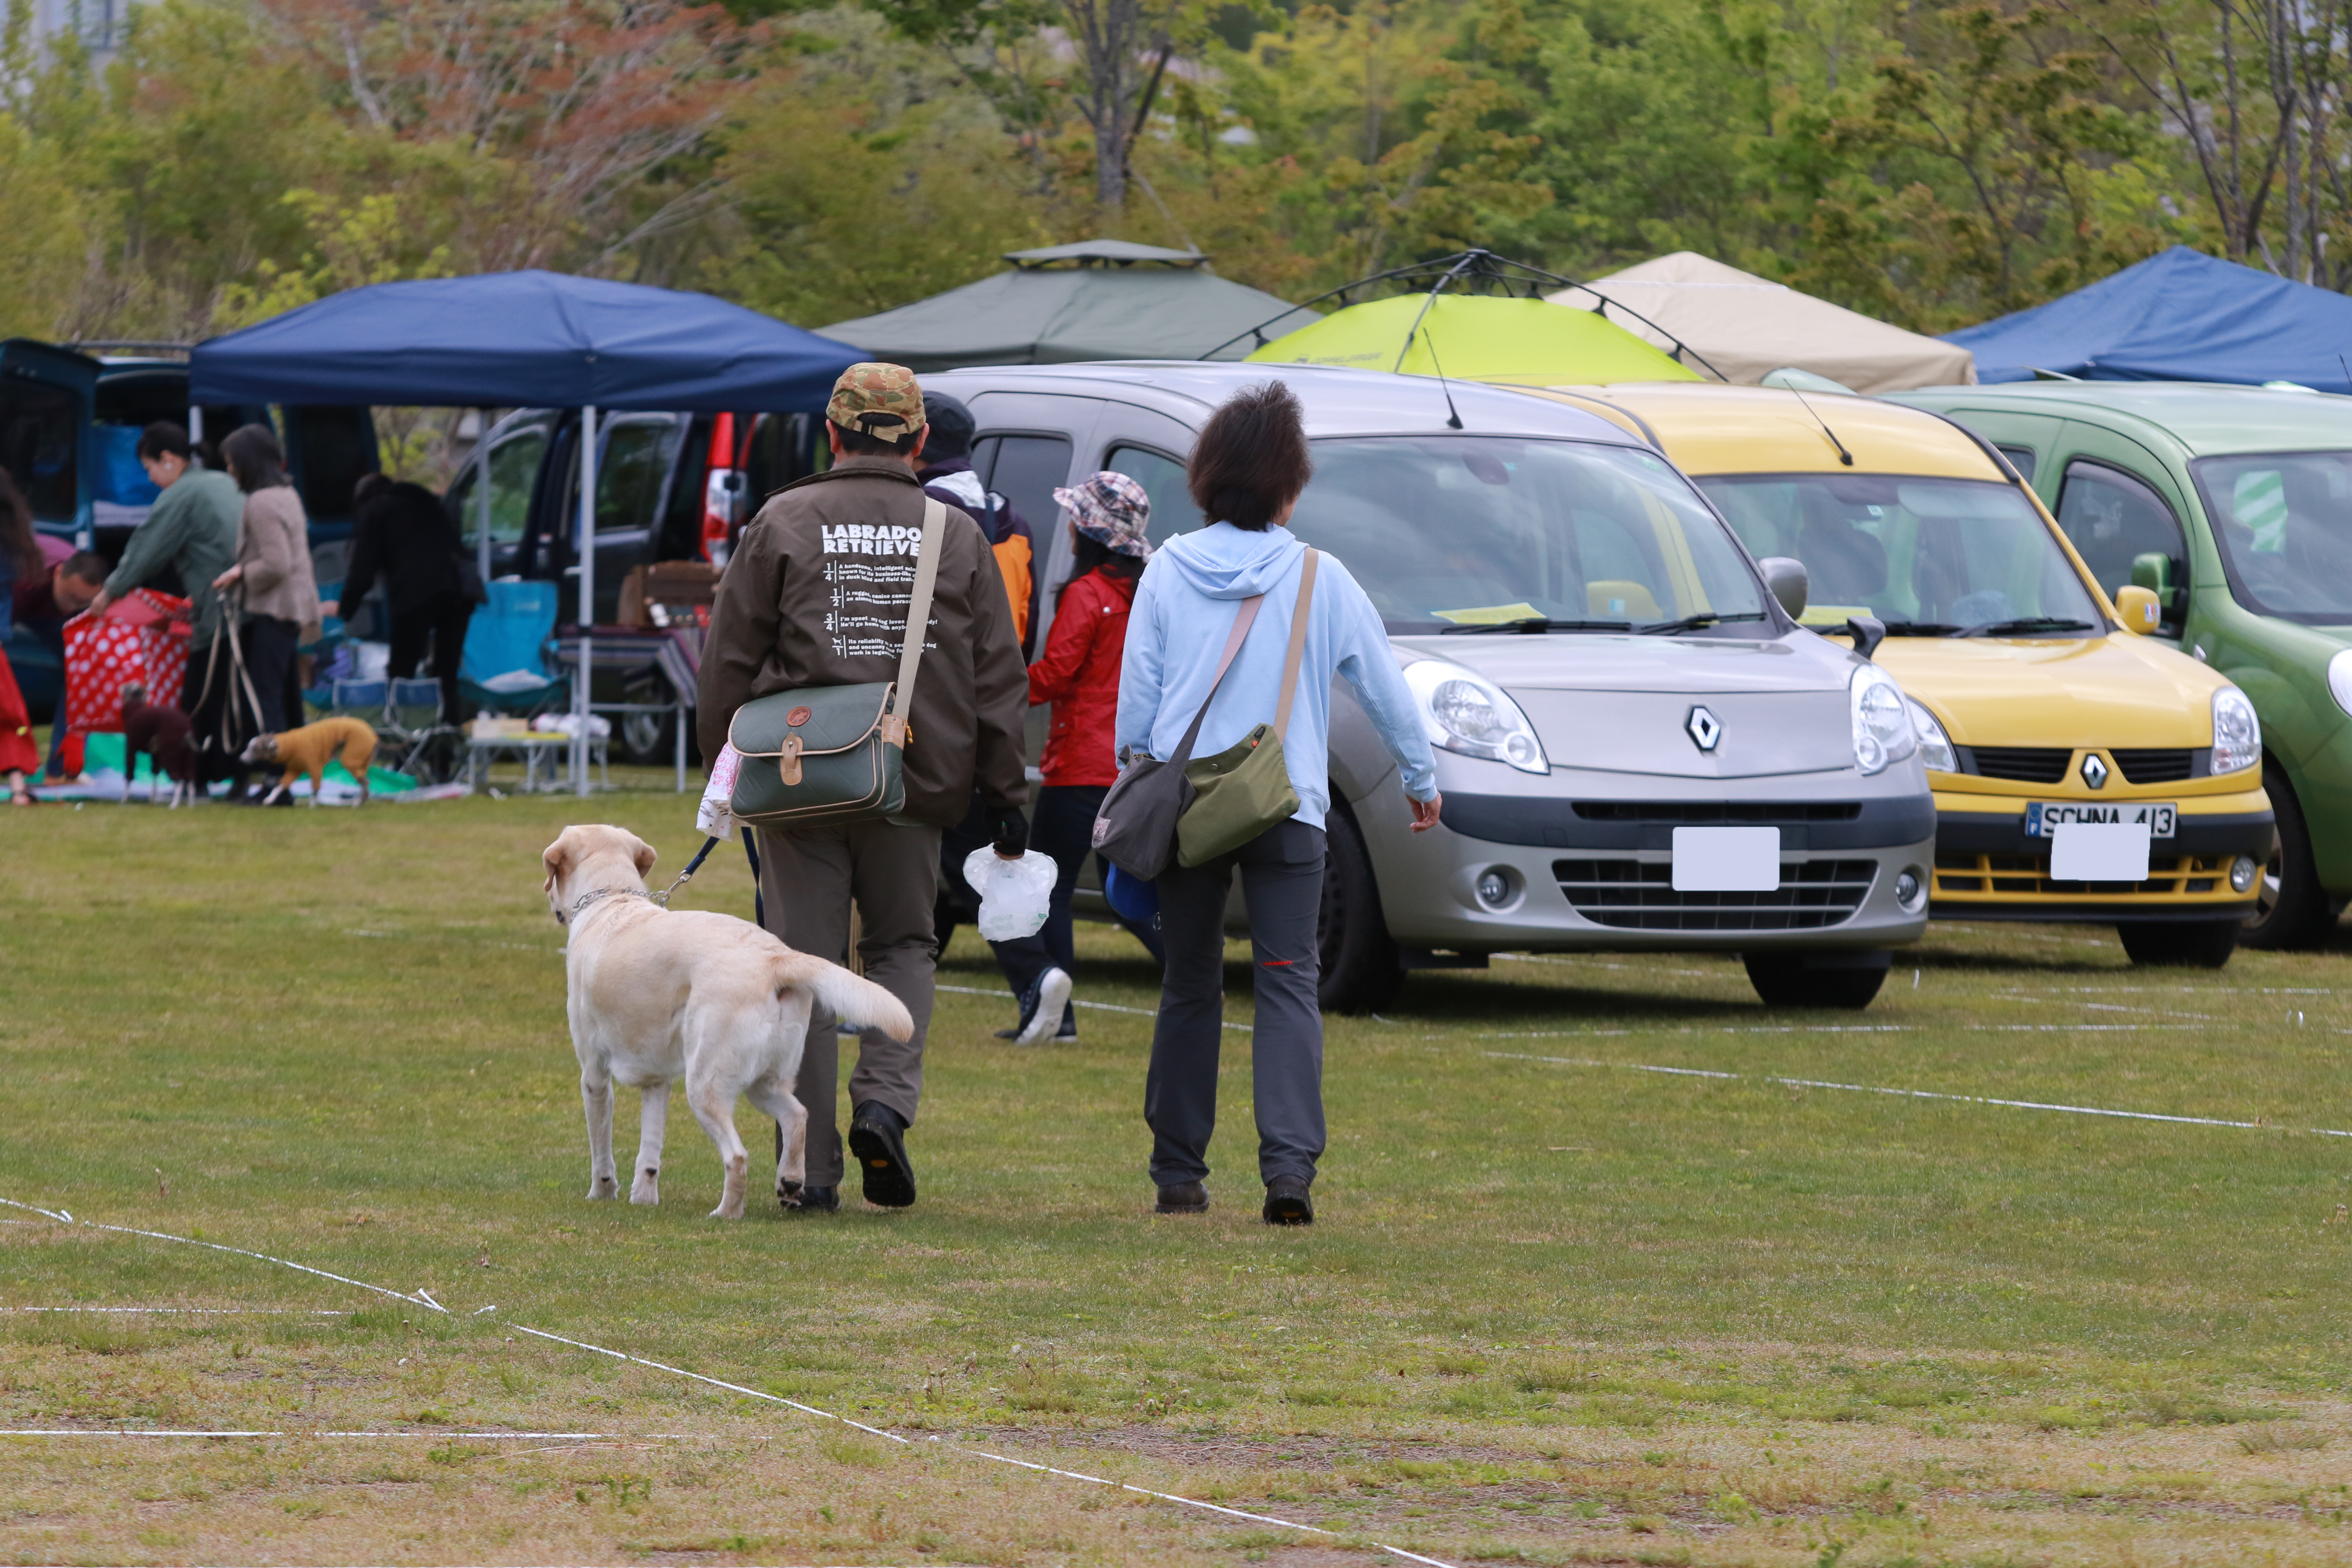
x: 2164, y: 765
x: 1717, y: 811
x: 2027, y: 764
x: 2028, y: 875
x: 1636, y: 895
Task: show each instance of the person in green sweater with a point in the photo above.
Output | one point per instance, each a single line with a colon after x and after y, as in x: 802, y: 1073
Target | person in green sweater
x: 192, y: 530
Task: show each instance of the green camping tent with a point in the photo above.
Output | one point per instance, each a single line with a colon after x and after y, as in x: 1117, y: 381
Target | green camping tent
x: 1476, y: 338
x: 1099, y: 299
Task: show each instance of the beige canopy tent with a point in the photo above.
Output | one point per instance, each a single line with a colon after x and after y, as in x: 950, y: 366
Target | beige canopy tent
x: 1748, y: 327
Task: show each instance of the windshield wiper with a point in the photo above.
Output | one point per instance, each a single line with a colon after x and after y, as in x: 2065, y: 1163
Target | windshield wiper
x: 1692, y: 622
x: 1533, y: 624
x: 2026, y: 624
x: 1922, y: 629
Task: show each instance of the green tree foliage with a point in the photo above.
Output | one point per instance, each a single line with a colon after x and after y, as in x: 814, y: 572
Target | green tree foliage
x: 1931, y: 161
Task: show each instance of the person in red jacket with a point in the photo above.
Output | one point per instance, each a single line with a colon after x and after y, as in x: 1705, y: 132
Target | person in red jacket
x: 1079, y: 674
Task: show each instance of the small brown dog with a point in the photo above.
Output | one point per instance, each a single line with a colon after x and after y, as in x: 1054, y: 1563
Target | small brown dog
x: 307, y: 750
x: 162, y: 733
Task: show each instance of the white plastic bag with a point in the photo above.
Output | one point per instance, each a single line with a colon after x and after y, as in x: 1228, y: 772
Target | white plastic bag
x: 716, y: 817
x: 1014, y: 894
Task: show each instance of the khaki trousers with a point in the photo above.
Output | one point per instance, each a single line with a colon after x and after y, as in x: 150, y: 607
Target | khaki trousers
x: 809, y: 878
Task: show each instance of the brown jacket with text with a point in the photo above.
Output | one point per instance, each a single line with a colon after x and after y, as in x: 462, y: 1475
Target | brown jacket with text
x: 815, y: 594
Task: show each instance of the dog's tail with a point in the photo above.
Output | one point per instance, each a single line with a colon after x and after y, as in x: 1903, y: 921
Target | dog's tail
x: 855, y: 1000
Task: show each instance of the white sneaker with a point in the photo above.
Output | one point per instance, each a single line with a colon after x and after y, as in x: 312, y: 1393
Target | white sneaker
x: 1046, y: 999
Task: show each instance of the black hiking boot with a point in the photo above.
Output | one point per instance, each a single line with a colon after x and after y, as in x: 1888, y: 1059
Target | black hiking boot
x: 877, y: 1143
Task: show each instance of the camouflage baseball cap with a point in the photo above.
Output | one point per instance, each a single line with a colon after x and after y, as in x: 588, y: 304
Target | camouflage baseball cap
x: 880, y: 400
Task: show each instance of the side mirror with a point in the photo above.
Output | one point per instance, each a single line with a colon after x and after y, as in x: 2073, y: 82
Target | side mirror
x: 1787, y: 577
x: 2142, y: 612
x: 2154, y: 572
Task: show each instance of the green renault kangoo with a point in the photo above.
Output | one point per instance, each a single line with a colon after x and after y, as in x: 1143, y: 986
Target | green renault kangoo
x: 2233, y: 504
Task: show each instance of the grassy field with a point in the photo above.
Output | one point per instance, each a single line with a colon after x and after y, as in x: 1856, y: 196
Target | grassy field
x: 1558, y: 1309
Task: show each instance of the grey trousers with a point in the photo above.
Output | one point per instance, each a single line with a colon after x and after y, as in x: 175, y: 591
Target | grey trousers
x: 808, y: 879
x: 1282, y: 884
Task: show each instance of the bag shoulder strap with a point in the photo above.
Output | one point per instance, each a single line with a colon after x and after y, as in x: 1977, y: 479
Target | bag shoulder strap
x: 1298, y: 644
x: 1243, y: 618
x: 918, y: 603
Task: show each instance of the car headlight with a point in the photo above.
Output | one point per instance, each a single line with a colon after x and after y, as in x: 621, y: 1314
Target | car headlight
x: 2339, y: 679
x: 2237, y: 733
x: 1469, y: 714
x: 1935, y: 746
x: 1882, y: 722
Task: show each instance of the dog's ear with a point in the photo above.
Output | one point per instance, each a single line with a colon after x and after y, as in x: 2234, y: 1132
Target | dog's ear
x: 556, y: 856
x: 645, y: 853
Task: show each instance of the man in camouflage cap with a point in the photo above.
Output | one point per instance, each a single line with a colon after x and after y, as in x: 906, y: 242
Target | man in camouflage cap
x: 816, y: 594
x: 879, y: 400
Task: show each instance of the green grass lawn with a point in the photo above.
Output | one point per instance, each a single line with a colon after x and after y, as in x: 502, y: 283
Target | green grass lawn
x: 1556, y: 1310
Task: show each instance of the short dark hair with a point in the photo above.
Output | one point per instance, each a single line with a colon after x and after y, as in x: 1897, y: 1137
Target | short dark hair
x: 254, y: 459
x: 950, y: 425
x: 87, y: 564
x: 1251, y: 458
x: 370, y: 485
x: 858, y: 444
x: 164, y: 439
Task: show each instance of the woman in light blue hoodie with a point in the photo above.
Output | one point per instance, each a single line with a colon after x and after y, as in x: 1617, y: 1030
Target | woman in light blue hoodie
x: 1246, y: 472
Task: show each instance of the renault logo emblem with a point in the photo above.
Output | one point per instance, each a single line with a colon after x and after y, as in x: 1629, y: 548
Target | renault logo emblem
x: 2094, y: 772
x: 1705, y: 729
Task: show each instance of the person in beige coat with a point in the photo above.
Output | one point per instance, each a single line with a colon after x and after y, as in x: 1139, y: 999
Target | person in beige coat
x: 273, y: 572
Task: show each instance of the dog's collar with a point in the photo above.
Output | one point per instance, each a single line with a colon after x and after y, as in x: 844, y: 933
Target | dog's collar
x: 597, y: 896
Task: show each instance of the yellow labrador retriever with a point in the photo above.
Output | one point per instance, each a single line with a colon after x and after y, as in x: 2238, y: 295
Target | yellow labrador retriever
x: 656, y: 995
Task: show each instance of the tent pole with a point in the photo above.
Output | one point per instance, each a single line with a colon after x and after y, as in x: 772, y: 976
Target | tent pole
x: 482, y: 503
x: 586, y: 665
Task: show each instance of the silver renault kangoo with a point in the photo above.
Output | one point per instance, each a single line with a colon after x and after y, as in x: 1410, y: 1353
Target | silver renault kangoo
x: 1638, y: 747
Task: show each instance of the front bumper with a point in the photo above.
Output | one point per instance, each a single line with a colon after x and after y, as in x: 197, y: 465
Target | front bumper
x: 1988, y: 868
x: 1584, y: 880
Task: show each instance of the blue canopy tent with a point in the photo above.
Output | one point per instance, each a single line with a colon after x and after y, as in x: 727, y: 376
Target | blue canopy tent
x: 534, y: 339
x: 2178, y: 316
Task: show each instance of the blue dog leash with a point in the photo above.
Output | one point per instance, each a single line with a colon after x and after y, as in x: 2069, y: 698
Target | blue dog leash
x: 691, y: 868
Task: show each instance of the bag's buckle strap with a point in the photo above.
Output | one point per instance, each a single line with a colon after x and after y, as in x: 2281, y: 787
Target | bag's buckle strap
x: 788, y: 760
x: 918, y: 604
x: 1298, y: 644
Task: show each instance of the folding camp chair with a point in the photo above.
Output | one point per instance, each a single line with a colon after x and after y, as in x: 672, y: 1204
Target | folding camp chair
x: 428, y: 748
x: 361, y: 699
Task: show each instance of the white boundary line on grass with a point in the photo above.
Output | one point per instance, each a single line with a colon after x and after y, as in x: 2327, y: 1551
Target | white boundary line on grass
x: 422, y: 1299
x: 1098, y: 1006
x: 960, y: 1448
x: 195, y: 1312
x: 224, y: 1432
x: 63, y: 1217
x: 1921, y: 1094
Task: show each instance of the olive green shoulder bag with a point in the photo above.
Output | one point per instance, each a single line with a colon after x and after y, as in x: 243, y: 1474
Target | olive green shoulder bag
x: 821, y: 754
x: 1245, y: 789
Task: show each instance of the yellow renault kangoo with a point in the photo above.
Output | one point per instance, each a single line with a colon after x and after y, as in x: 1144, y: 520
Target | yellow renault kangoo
x: 2082, y: 772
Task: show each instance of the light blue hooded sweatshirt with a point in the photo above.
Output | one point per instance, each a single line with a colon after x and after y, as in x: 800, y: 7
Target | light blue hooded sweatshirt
x: 1184, y: 609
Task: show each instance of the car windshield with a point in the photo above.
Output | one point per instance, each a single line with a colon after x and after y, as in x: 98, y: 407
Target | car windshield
x: 2285, y: 523
x: 1465, y: 533
x: 1929, y: 557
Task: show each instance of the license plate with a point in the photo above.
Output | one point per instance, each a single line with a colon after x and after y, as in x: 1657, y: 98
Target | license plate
x: 2042, y: 819
x: 1726, y: 860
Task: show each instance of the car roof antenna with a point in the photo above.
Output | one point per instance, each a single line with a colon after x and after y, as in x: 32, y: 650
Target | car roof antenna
x: 1844, y: 456
x: 1453, y: 415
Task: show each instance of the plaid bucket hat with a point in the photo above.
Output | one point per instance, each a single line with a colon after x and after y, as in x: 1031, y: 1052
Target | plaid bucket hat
x: 1111, y: 510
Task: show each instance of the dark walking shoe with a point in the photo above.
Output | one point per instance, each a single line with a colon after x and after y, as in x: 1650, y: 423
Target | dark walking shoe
x: 877, y: 1144
x: 1287, y: 1203
x: 814, y: 1200
x: 1185, y: 1197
